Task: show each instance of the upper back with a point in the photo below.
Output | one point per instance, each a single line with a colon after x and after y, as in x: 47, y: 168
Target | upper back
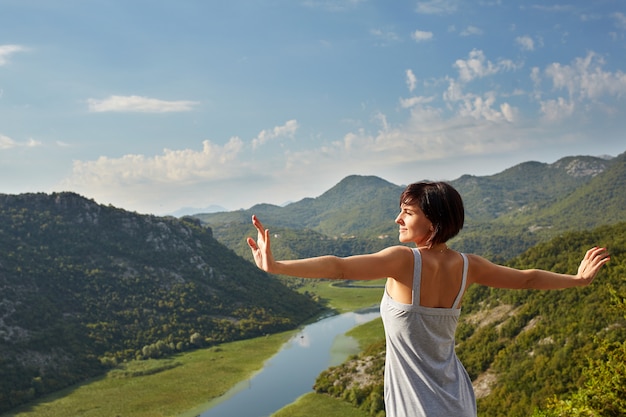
x: 440, y: 281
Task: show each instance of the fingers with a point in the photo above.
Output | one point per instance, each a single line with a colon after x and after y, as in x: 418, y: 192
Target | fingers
x: 267, y: 241
x: 257, y: 223
x: 598, y: 255
x: 594, y: 259
x: 260, y: 232
x: 263, y: 235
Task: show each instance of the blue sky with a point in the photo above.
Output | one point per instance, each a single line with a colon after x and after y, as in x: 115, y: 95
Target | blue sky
x: 156, y: 105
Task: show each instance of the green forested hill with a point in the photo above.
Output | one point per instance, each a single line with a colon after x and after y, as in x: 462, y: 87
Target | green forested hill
x: 527, y: 186
x: 363, y: 205
x: 595, y: 202
x: 83, y: 286
x: 517, y: 208
x: 598, y: 200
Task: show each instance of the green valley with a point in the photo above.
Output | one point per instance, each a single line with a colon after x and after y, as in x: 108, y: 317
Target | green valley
x: 96, y: 296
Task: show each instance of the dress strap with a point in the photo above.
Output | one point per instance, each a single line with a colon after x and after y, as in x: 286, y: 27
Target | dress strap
x: 417, y: 275
x: 457, y: 301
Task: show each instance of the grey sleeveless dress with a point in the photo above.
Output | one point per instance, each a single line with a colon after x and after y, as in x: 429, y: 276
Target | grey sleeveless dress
x: 423, y: 376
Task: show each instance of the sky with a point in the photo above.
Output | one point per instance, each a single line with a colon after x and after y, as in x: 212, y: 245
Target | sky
x: 157, y: 105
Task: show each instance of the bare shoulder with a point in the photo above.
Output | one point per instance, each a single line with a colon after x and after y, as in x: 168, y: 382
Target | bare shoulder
x: 397, y: 259
x: 396, y: 253
x: 476, y: 260
x: 479, y: 268
x: 484, y: 272
x: 397, y: 250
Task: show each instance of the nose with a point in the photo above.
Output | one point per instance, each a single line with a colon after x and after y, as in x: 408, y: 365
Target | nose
x: 399, y: 219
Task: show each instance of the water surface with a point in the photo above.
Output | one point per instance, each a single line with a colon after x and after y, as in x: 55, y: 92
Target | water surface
x: 293, y: 370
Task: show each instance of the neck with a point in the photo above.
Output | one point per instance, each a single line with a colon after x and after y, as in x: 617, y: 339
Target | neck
x: 441, y: 247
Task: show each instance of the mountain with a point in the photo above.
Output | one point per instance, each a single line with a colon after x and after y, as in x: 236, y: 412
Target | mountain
x: 84, y: 286
x: 526, y: 186
x: 598, y: 201
x: 360, y: 210
x: 188, y: 211
x: 534, y: 202
x: 356, y: 204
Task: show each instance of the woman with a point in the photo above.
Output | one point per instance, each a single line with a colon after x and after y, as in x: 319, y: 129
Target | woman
x: 421, y: 303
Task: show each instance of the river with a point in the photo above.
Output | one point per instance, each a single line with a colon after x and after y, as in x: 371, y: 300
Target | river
x: 292, y: 371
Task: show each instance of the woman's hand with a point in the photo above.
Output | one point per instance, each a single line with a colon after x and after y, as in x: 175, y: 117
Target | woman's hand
x: 261, y: 248
x: 591, y: 264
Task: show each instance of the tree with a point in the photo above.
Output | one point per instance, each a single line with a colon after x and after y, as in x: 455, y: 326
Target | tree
x: 604, y: 391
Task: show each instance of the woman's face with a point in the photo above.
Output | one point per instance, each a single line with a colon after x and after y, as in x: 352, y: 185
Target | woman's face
x: 414, y: 226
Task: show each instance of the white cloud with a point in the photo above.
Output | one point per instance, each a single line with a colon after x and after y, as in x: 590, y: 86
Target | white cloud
x: 535, y: 77
x: 454, y: 92
x: 585, y: 82
x: 32, y: 143
x: 554, y: 8
x: 525, y: 42
x: 287, y: 130
x: 332, y: 5
x: 138, y: 104
x: 173, y: 166
x: 425, y: 136
x: 508, y: 112
x: 478, y: 107
x: 406, y: 103
x: 585, y: 78
x: 437, y: 6
x: 471, y: 31
x: 482, y: 105
x: 411, y: 80
x: 421, y: 36
x: 8, y: 50
x: 620, y: 19
x: 8, y: 143
x: 136, y: 180
x: 555, y: 110
x: 477, y: 66
x: 387, y: 36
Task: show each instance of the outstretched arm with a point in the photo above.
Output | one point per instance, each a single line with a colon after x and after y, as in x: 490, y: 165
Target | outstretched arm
x: 484, y: 272
x: 389, y: 262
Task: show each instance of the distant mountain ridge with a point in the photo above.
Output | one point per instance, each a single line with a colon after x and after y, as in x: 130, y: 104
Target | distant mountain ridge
x: 188, y: 211
x: 515, y: 206
x: 526, y: 185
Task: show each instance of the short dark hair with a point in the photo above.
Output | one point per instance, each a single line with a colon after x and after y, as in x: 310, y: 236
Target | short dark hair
x: 442, y: 205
